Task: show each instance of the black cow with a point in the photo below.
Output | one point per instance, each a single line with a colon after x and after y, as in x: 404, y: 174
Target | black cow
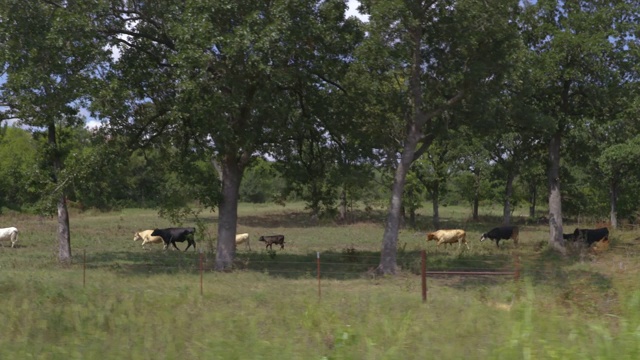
x: 589, y: 236
x: 273, y: 239
x: 173, y: 235
x: 502, y: 233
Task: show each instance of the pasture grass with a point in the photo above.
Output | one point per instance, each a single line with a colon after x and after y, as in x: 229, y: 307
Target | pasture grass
x: 130, y: 303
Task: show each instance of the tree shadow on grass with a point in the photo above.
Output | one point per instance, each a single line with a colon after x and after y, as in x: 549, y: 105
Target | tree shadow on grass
x: 337, y: 265
x: 141, y: 262
x: 543, y: 268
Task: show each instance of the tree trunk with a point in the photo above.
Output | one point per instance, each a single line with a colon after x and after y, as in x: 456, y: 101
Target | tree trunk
x: 412, y: 218
x: 613, y: 198
x: 533, y: 195
x: 476, y: 195
x: 228, y: 217
x: 555, y: 199
x: 436, y: 207
x: 64, y: 233
x: 343, y: 205
x: 508, y: 192
x: 388, y: 264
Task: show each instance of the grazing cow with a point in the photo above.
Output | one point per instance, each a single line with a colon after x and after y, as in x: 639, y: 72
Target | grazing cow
x: 173, y: 235
x: 146, y: 237
x: 590, y: 236
x: 273, y: 239
x: 10, y: 233
x: 243, y: 239
x: 502, y: 233
x: 449, y: 237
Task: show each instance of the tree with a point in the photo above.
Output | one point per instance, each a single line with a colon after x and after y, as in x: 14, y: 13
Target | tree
x: 49, y: 55
x: 619, y: 164
x: 574, y: 58
x: 227, y: 80
x: 472, y: 183
x: 438, y: 52
x: 434, y: 170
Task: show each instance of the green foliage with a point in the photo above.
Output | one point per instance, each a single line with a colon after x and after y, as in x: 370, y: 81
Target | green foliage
x: 17, y: 160
x: 261, y: 183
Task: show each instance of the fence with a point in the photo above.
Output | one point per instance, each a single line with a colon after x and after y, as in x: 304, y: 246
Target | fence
x: 329, y: 270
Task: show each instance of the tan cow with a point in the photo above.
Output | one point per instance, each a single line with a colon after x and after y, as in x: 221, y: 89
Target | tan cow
x: 449, y: 237
x: 146, y: 238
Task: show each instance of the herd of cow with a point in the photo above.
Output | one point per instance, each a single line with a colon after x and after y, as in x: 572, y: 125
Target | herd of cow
x: 452, y: 236
x: 170, y: 236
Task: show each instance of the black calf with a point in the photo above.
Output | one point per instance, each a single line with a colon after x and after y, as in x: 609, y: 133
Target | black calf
x: 273, y: 239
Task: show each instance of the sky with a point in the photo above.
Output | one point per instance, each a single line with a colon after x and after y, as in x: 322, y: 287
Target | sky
x: 351, y: 11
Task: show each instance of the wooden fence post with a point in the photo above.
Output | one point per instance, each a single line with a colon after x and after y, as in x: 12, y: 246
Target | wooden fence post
x: 318, y: 272
x: 516, y: 265
x: 84, y: 267
x: 423, y: 274
x: 201, y: 271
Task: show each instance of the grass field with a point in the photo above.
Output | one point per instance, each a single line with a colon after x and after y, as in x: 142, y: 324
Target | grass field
x: 124, y: 302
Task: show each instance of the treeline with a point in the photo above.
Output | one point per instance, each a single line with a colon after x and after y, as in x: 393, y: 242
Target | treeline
x: 117, y: 177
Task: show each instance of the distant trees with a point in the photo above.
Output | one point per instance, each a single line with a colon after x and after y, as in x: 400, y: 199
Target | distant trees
x: 18, y: 160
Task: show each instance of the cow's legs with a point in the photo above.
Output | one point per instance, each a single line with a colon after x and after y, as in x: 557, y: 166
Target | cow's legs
x: 190, y: 243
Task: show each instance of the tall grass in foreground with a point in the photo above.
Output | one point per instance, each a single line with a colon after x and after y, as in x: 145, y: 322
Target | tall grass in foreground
x: 51, y: 316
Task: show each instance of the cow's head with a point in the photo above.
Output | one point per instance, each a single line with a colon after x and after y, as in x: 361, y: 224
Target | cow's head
x: 484, y: 236
x: 137, y: 236
x: 431, y: 236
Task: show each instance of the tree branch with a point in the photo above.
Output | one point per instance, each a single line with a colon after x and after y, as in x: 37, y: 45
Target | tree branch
x: 330, y: 82
x: 446, y: 105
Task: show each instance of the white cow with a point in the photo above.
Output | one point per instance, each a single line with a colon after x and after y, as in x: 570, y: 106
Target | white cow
x: 10, y: 233
x: 243, y: 239
x: 146, y: 238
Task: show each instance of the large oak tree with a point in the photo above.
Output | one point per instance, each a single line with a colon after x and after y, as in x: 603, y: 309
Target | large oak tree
x: 225, y: 79
x: 436, y: 52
